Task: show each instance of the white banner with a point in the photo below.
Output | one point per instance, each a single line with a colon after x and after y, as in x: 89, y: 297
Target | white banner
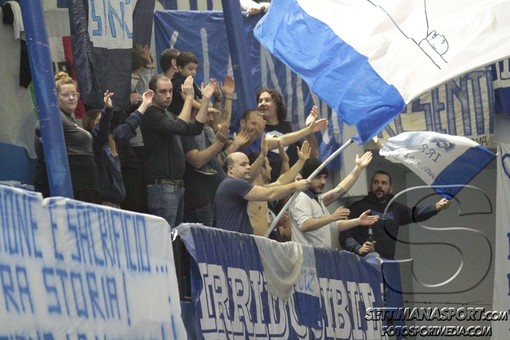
x: 111, y: 23
x: 438, y: 159
x: 73, y: 270
x: 501, y: 298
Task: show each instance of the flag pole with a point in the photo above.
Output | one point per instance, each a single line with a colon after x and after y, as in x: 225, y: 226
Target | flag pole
x: 45, y: 95
x: 312, y: 176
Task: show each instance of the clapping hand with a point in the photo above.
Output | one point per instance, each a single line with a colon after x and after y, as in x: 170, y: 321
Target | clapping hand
x: 107, y: 98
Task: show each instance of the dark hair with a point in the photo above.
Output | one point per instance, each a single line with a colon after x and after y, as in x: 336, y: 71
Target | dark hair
x: 252, y: 157
x: 382, y: 172
x: 154, y: 81
x: 281, y: 110
x: 166, y: 57
x: 247, y: 113
x: 138, y: 60
x: 228, y: 162
x: 310, y: 166
x: 185, y: 58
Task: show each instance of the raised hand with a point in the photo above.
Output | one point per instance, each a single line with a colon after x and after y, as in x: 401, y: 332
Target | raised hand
x: 146, y: 53
x: 208, y: 90
x: 222, y: 134
x: 443, y: 204
x: 217, y: 91
x: 147, y: 101
x: 187, y: 87
x: 228, y: 86
x: 241, y: 138
x: 320, y: 124
x: 364, y: 160
x: 304, y: 151
x: 107, y: 98
x: 314, y: 113
x: 283, y: 155
x: 261, y: 126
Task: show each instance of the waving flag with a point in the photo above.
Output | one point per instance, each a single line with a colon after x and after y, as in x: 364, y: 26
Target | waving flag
x: 438, y: 159
x: 369, y: 58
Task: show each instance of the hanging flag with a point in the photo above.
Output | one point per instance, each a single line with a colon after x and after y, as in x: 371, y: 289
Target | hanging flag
x: 438, y: 159
x: 368, y: 59
x: 102, y: 37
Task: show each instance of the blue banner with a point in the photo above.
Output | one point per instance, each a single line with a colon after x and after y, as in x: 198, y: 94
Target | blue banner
x: 237, y: 292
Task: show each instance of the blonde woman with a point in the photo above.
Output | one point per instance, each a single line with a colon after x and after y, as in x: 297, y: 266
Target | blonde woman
x: 78, y: 147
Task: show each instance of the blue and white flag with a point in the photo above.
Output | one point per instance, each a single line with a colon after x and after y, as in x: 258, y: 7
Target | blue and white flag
x: 368, y: 59
x: 438, y: 159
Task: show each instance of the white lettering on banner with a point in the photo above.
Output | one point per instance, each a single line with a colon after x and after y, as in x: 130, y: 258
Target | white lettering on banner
x: 65, y: 262
x: 111, y: 23
x: 461, y: 107
x: 232, y: 303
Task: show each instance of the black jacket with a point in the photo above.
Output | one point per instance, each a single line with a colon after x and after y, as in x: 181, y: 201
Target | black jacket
x: 385, y: 231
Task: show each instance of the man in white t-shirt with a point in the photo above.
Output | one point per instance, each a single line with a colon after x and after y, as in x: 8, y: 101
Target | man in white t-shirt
x: 311, y: 220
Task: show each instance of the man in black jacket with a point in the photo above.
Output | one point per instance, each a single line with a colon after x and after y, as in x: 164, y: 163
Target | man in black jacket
x: 164, y: 160
x: 385, y: 231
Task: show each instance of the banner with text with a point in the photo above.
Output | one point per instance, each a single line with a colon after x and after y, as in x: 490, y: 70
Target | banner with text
x: 501, y: 78
x: 463, y: 106
x: 82, y: 271
x: 239, y: 291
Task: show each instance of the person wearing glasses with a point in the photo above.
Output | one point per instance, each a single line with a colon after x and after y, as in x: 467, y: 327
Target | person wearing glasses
x: 82, y: 167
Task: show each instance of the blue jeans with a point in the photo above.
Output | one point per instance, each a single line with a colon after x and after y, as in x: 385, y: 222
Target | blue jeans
x: 204, y: 215
x: 166, y: 200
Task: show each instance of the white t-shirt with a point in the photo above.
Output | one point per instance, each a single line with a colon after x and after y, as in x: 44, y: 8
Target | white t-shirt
x: 303, y: 208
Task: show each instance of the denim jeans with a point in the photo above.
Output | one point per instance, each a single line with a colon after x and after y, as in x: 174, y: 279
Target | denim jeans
x: 166, y: 200
x: 204, y: 215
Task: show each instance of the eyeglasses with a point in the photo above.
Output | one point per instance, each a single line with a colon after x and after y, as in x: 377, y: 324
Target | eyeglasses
x: 70, y: 94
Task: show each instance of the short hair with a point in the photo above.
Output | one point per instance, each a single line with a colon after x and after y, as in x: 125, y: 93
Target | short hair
x: 281, y: 110
x: 252, y: 157
x: 185, y: 58
x: 229, y: 161
x: 154, y: 80
x: 311, y: 165
x: 166, y: 57
x: 247, y: 113
x: 382, y: 172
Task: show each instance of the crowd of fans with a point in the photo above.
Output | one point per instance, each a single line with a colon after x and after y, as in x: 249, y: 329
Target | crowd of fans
x: 176, y: 156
